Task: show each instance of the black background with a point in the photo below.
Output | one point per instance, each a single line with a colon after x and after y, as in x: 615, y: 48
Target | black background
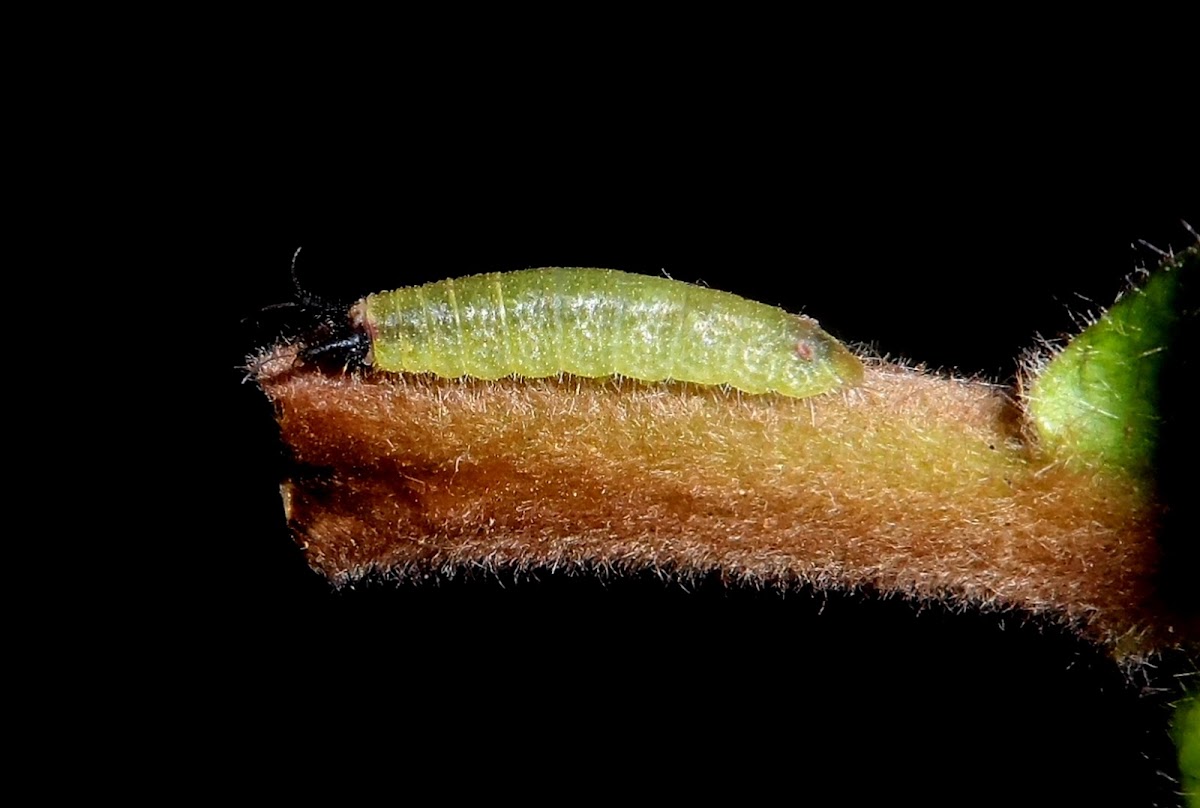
x: 952, y: 246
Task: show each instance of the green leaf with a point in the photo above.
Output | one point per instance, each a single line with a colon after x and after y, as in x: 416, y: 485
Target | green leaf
x: 1185, y: 730
x: 1097, y: 403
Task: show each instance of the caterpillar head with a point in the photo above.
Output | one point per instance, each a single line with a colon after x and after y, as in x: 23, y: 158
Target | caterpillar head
x: 335, y: 344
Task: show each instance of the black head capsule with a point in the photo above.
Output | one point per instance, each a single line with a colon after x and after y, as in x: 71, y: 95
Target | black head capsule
x: 328, y: 334
x: 335, y: 345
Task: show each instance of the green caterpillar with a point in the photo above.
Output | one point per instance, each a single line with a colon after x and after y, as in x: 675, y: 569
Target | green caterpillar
x: 594, y: 322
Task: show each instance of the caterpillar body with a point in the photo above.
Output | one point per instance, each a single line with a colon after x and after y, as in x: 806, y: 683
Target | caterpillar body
x: 595, y: 322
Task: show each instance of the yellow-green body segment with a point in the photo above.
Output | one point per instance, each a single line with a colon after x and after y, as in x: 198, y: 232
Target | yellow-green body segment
x: 600, y: 322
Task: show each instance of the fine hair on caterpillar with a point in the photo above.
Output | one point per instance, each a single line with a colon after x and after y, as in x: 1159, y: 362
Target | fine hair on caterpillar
x: 587, y: 322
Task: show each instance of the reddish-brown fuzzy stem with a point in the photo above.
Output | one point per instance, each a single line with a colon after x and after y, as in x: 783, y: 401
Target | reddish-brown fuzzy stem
x: 910, y: 483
